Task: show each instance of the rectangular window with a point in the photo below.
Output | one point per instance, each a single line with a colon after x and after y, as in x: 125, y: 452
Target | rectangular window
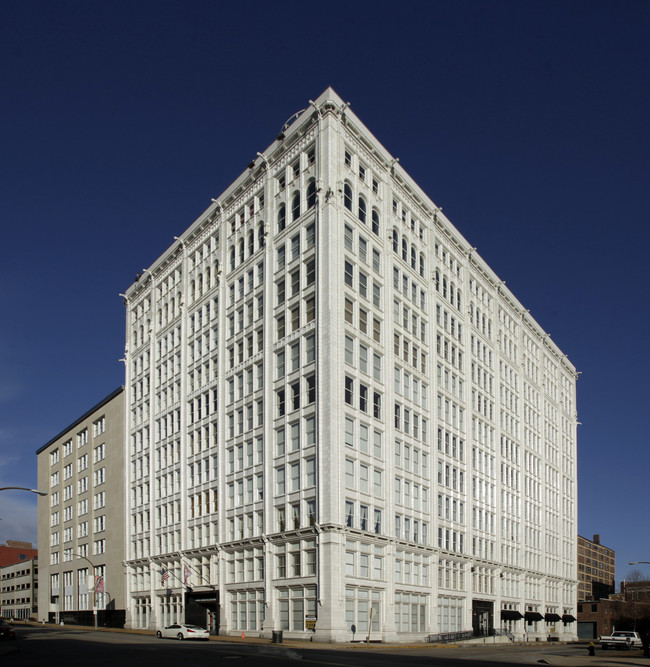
x: 376, y: 329
x: 311, y: 272
x: 349, y: 311
x: 348, y: 274
x: 349, y: 432
x: 310, y: 344
x: 310, y: 308
x: 349, y: 350
x: 348, y: 237
x: 295, y: 356
x: 311, y: 389
x: 310, y: 431
x: 349, y: 390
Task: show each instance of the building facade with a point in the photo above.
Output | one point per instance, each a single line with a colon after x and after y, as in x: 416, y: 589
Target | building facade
x: 338, y: 416
x: 16, y: 550
x: 596, y: 569
x: 81, y: 521
x: 19, y: 589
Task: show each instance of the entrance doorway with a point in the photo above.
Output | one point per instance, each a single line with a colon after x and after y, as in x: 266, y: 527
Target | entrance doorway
x: 202, y: 608
x: 482, y: 618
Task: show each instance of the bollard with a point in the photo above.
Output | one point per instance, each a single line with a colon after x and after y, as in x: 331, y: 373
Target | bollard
x: 591, y: 648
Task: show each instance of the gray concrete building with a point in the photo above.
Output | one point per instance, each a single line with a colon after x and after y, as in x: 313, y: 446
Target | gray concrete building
x: 81, y: 531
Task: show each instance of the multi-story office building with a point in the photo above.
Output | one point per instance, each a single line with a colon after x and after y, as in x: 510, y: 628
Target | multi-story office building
x: 81, y: 521
x: 19, y: 589
x: 596, y: 569
x: 338, y: 415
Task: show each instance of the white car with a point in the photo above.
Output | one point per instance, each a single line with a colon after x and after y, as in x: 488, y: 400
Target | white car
x: 183, y: 631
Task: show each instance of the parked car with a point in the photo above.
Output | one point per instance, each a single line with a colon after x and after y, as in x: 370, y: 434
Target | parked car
x: 621, y: 639
x: 183, y: 631
x: 6, y: 631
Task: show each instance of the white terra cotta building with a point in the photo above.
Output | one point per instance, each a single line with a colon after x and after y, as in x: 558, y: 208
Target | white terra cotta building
x: 340, y: 422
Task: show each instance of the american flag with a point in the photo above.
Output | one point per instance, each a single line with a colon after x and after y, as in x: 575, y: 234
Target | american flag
x: 165, y: 576
x: 186, y: 575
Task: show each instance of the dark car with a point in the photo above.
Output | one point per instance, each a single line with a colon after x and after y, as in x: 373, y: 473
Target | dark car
x: 6, y: 631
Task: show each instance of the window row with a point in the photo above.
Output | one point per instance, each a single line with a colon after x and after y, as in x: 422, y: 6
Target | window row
x: 410, y: 422
x: 361, y: 208
x: 294, y: 356
x: 369, y: 401
x: 295, y: 436
x: 410, y: 353
x: 411, y: 388
x: 367, y: 361
x: 448, y: 290
x: 411, y: 530
x: 363, y: 437
x: 408, y: 253
x: 368, y: 289
x: 296, y: 205
x: 363, y: 517
x: 294, y: 476
x: 409, y: 321
x: 361, y: 248
x: 412, y: 459
x: 365, y: 323
x: 409, y: 494
x: 289, y: 399
x: 410, y: 289
x: 364, y: 478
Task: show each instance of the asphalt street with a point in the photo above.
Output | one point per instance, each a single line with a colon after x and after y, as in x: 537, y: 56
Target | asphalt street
x: 38, y: 645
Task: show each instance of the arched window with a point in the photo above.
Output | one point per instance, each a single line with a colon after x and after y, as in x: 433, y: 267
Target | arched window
x: 405, y: 250
x: 207, y: 282
x: 282, y: 217
x: 458, y: 299
x: 413, y: 258
x: 251, y: 243
x: 260, y: 235
x: 232, y: 258
x: 295, y: 206
x: 422, y: 265
x: 375, y: 221
x: 437, y: 279
x: 241, y: 251
x: 311, y: 194
x: 362, y: 210
x: 395, y: 240
x: 444, y: 287
x: 452, y: 291
x: 347, y: 196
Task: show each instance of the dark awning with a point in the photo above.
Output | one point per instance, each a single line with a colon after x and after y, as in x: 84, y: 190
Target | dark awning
x: 552, y: 618
x: 567, y: 618
x: 510, y: 615
x: 531, y: 616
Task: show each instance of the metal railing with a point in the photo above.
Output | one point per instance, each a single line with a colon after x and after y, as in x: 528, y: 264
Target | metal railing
x: 450, y: 637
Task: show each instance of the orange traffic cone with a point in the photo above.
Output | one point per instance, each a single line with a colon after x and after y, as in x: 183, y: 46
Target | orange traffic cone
x: 243, y: 635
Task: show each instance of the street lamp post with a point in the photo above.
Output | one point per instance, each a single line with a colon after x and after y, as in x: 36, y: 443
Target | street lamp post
x: 94, y: 586
x: 23, y: 488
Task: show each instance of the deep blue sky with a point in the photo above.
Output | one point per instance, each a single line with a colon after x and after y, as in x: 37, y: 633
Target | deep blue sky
x: 527, y: 121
